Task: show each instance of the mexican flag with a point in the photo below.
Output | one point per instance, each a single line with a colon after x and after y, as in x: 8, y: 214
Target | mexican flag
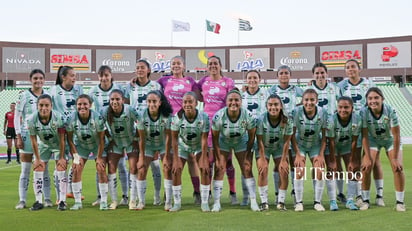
x: 212, y: 27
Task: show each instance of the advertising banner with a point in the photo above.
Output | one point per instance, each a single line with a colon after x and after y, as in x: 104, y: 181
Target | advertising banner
x: 79, y: 59
x: 159, y: 59
x: 335, y: 57
x: 196, y: 59
x: 389, y: 55
x: 297, y: 58
x: 23, y: 60
x: 249, y: 59
x: 121, y: 61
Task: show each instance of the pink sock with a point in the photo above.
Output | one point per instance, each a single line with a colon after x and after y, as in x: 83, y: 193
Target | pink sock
x: 196, y: 184
x: 230, y: 172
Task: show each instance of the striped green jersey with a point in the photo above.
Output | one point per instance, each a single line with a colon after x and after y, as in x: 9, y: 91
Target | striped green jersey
x: 190, y: 133
x: 356, y: 92
x: 327, y: 97
x: 233, y: 131
x: 380, y: 127
x: 309, y: 130
x: 154, y: 129
x: 138, y: 94
x: 47, y: 133
x: 343, y: 133
x: 101, y: 98
x: 85, y: 134
x: 27, y: 106
x: 288, y: 95
x: 273, y: 134
x: 64, y: 101
x: 122, y: 129
x: 255, y: 103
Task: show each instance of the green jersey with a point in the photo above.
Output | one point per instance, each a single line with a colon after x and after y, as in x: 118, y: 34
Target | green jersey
x: 64, y: 101
x: 273, y: 134
x: 101, y: 98
x: 356, y: 92
x: 327, y: 97
x: 47, y: 133
x: 138, y: 94
x: 26, y: 106
x: 343, y: 133
x: 309, y: 130
x: 255, y: 103
x: 154, y: 129
x: 288, y: 95
x: 380, y: 127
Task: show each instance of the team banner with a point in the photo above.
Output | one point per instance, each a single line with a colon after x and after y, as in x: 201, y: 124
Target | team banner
x: 244, y: 25
x: 79, y: 59
x: 178, y: 26
x: 23, y: 60
x: 121, y: 61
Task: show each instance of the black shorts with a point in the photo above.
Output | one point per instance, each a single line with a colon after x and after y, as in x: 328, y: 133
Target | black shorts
x: 11, y: 133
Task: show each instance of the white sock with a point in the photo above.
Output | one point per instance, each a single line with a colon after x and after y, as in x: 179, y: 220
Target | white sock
x: 352, y: 185
x: 133, y: 187
x: 168, y: 191
x: 217, y: 190
x: 77, y: 191
x: 38, y: 186
x: 319, y: 186
x: 331, y: 186
x: 141, y: 190
x: 400, y: 196
x: 359, y: 188
x: 379, y: 187
x: 123, y: 176
x: 251, y: 186
x: 263, y: 193
x: 46, y: 183
x: 112, y: 186
x: 177, y: 194
x: 276, y: 181
x: 24, y: 180
x: 56, y: 185
x: 366, y: 195
x: 70, y: 180
x: 157, y: 177
x: 204, y: 193
x: 103, y: 188
x: 339, y: 185
x: 298, y: 190
x: 62, y: 179
x: 245, y: 190
x: 281, y: 196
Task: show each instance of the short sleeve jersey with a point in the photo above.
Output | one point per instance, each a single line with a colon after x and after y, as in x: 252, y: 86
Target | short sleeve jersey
x: 138, y: 94
x: 273, y: 134
x: 327, y: 97
x: 255, y: 103
x: 308, y: 130
x: 356, y: 92
x: 101, y: 98
x: 154, y: 129
x: 27, y: 106
x: 47, y: 133
x: 64, y: 101
x: 380, y: 127
x: 288, y: 95
x: 343, y: 133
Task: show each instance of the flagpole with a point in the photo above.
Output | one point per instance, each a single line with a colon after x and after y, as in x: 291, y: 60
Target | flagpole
x: 205, y: 38
x: 238, y: 37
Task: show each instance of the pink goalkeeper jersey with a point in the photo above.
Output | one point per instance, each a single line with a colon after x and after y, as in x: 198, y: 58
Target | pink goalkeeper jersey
x: 214, y: 93
x: 174, y: 89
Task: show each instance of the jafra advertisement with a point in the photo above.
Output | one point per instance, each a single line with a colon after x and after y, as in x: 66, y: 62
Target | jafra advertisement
x: 335, y: 57
x: 389, y: 55
x: 159, y: 59
x: 297, y: 58
x: 22, y: 60
x: 79, y: 59
x: 249, y: 59
x: 120, y: 61
x: 196, y: 60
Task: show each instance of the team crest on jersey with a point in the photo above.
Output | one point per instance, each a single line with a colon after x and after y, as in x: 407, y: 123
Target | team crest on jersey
x: 385, y: 119
x: 223, y: 84
x: 200, y: 123
x: 53, y: 125
x: 354, y: 127
x: 243, y: 124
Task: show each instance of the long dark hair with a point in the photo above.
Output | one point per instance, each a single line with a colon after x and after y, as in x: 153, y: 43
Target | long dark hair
x: 63, y: 71
x: 104, y: 68
x: 35, y: 71
x: 165, y: 108
x: 282, y: 116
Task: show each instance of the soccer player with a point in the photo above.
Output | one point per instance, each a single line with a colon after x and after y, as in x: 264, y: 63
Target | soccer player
x: 64, y: 94
x: 214, y: 89
x: 27, y: 106
x: 47, y: 138
x: 328, y: 94
x: 380, y: 129
x: 120, y: 121
x: 289, y: 95
x: 309, y: 122
x: 100, y: 96
x: 274, y: 132
x: 233, y: 129
x: 137, y: 92
x: 189, y: 140
x: 343, y: 130
x: 154, y: 131
x: 10, y: 133
x: 356, y: 87
x: 174, y: 86
x: 85, y: 135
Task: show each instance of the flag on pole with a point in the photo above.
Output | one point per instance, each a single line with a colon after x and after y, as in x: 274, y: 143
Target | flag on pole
x: 178, y: 26
x: 212, y: 27
x: 244, y: 25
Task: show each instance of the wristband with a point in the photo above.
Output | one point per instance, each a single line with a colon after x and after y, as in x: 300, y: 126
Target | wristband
x: 76, y: 158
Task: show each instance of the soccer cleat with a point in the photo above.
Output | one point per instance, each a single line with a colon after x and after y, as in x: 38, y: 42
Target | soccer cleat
x: 18, y: 161
x: 319, y: 207
x: 264, y: 206
x: 205, y: 207
x: 341, y: 198
x: 124, y: 200
x: 132, y: 205
x: 167, y: 206
x: 293, y: 195
x: 175, y: 208
x: 245, y: 201
x: 233, y: 199
x: 157, y: 201
x: 77, y: 206
x: 48, y: 203
x: 96, y: 202
x: 359, y: 201
x: 254, y: 206
x: 198, y: 199
x: 103, y: 206
x: 400, y: 207
x: 140, y: 206
x: 62, y: 206
x: 21, y: 205
x: 333, y: 206
x: 8, y: 162
x: 379, y: 201
x: 351, y: 205
x: 299, y: 207
x: 216, y: 207
x: 281, y: 206
x: 364, y: 205
x: 113, y: 205
x: 36, y: 206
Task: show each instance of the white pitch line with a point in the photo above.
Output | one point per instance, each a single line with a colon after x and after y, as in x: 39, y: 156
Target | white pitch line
x: 12, y: 166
